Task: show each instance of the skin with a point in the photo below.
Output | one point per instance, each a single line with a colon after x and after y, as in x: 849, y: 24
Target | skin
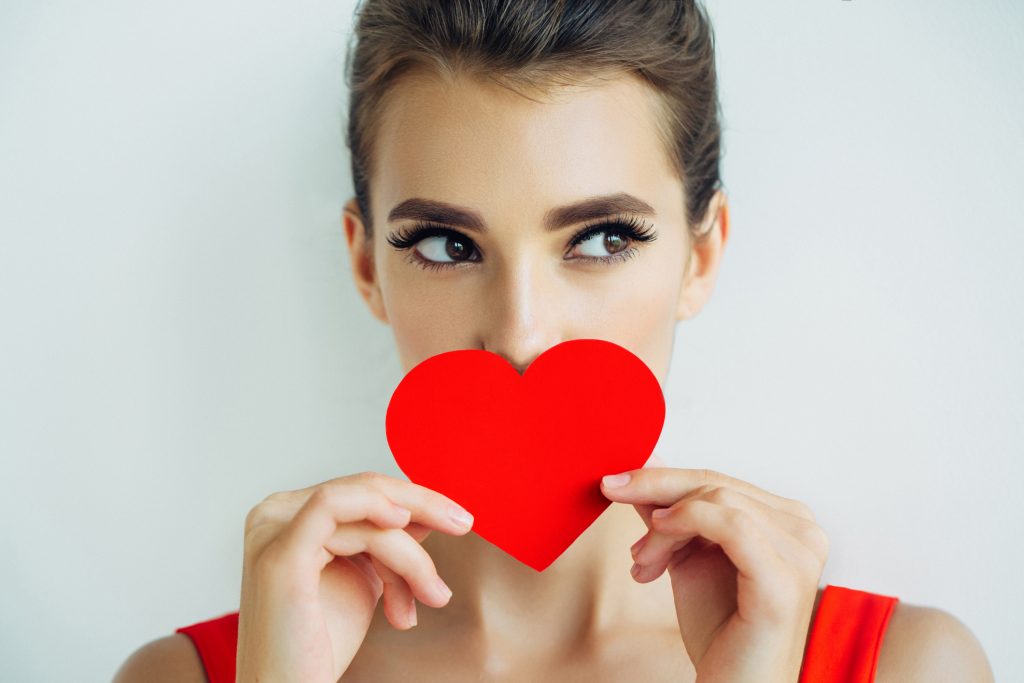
x: 518, y: 158
x: 728, y: 579
x: 524, y: 296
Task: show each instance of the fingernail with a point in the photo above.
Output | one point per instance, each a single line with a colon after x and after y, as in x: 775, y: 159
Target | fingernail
x: 615, y: 480
x: 635, y: 570
x: 412, y: 614
x: 635, y: 548
x: 443, y: 591
x: 460, y: 516
x: 660, y: 512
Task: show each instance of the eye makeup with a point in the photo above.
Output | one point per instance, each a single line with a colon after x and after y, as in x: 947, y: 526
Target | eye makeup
x: 631, y: 227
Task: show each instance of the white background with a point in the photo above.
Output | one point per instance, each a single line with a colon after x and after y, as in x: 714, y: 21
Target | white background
x: 181, y: 336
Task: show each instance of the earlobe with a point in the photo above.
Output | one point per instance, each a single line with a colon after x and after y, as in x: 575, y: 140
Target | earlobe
x: 686, y: 309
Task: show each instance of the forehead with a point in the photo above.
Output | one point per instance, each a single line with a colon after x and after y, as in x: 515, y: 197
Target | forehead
x: 479, y: 144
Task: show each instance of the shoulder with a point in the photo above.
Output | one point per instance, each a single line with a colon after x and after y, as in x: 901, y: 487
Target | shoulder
x: 170, y: 659
x: 929, y: 644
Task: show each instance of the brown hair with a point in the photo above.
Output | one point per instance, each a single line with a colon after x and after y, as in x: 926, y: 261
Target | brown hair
x: 532, y: 44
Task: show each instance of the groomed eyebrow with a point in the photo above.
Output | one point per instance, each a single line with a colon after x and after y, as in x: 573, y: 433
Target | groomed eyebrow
x: 560, y: 217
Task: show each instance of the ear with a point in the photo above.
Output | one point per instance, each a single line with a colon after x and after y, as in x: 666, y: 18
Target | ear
x: 704, y: 258
x: 361, y: 254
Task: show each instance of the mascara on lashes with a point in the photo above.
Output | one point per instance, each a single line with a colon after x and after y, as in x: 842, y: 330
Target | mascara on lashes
x: 630, y: 227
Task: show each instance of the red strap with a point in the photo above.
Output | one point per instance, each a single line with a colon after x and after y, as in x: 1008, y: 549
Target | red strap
x: 217, y: 642
x: 843, y: 645
x: 846, y: 636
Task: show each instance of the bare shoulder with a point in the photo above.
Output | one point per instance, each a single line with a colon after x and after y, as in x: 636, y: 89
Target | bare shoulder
x: 170, y: 659
x: 930, y: 644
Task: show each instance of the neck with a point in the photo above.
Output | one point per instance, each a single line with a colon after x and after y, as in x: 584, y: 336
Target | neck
x: 584, y: 593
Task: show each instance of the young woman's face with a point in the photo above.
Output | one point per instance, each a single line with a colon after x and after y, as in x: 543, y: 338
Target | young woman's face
x: 507, y: 266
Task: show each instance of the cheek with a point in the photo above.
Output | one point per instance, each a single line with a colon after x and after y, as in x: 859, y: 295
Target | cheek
x: 636, y: 311
x: 425, y: 320
x: 416, y: 331
x: 644, y: 323
x: 631, y: 306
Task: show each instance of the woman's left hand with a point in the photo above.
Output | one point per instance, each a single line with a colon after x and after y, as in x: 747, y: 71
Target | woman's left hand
x: 744, y: 565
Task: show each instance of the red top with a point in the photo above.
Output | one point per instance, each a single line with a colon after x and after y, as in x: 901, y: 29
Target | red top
x: 842, y: 647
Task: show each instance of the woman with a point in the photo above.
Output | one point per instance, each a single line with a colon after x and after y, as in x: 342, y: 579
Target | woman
x: 527, y: 173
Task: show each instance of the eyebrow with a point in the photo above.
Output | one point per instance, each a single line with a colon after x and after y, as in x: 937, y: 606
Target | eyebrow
x: 557, y: 218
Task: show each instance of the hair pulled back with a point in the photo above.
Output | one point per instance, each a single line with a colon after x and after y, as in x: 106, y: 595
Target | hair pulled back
x: 531, y: 45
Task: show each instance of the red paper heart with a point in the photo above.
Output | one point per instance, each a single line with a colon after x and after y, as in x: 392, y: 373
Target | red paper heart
x: 525, y: 453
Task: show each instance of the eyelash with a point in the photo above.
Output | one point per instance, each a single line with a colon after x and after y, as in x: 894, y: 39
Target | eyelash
x: 630, y: 227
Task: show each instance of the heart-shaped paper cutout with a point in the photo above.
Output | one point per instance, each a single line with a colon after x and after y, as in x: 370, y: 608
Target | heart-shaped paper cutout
x: 525, y: 453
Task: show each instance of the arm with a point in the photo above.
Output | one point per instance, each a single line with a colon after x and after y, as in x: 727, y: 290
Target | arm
x: 171, y: 659
x: 928, y: 644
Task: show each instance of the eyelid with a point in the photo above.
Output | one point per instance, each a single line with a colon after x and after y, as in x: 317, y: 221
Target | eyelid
x: 633, y: 227
x: 404, y: 239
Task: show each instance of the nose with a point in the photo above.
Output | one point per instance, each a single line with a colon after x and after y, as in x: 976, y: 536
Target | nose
x: 521, y: 317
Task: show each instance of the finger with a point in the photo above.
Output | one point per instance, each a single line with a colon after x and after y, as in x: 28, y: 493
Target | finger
x: 364, y: 563
x: 347, y: 501
x: 772, y: 565
x: 742, y: 536
x: 399, y: 552
x: 399, y: 603
x: 678, y: 551
x: 315, y: 536
x: 428, y: 507
x: 327, y: 508
x: 792, y: 536
x: 418, y: 531
x: 663, y: 486
x: 645, y: 511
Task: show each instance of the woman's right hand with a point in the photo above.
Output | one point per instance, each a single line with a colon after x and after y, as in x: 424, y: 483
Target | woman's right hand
x: 317, y: 560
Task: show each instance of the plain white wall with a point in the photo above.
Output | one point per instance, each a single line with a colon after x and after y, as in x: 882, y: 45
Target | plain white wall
x: 181, y: 336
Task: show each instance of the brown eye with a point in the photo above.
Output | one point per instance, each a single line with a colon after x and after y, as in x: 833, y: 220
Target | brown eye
x: 444, y: 249
x: 614, y: 243
x: 604, y: 243
x: 456, y: 249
